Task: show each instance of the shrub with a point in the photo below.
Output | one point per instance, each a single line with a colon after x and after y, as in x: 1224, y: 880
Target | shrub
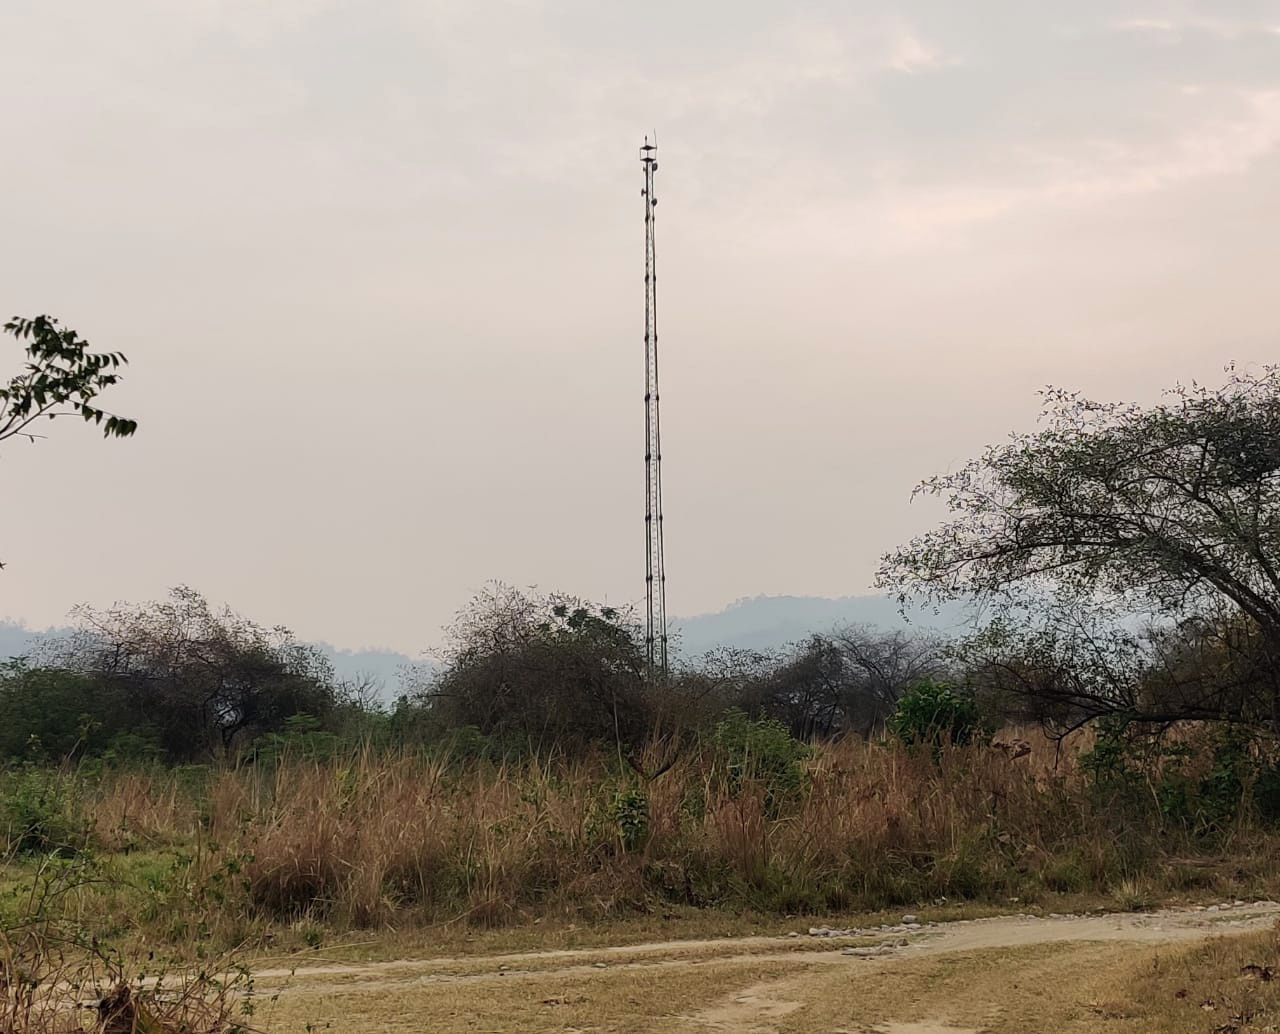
x: 302, y: 737
x: 542, y: 673
x: 191, y: 680
x: 1202, y: 780
x: 628, y: 812
x: 49, y: 714
x: 935, y: 713
x: 761, y: 751
x: 1266, y: 794
x: 42, y: 811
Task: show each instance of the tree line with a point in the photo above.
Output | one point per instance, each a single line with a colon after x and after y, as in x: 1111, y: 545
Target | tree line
x: 181, y: 681
x: 1127, y: 559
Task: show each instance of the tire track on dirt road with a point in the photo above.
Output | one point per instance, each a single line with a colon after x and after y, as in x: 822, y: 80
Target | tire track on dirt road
x: 960, y: 935
x: 796, y: 967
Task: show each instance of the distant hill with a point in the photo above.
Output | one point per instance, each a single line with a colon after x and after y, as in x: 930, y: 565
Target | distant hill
x: 770, y: 622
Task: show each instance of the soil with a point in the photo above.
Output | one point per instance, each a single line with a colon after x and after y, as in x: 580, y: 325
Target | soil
x: 1012, y: 973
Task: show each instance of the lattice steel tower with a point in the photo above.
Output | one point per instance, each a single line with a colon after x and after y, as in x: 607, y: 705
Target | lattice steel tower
x: 655, y: 575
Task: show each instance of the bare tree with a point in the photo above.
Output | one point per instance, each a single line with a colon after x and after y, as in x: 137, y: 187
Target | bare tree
x: 844, y: 681
x: 882, y: 666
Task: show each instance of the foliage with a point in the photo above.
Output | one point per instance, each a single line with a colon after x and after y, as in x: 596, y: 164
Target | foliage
x: 52, y: 958
x: 937, y: 714
x: 1201, y: 781
x: 629, y: 815
x: 61, y: 378
x: 41, y: 812
x: 48, y: 713
x: 179, y: 681
x: 174, y: 678
x: 846, y: 680
x: 552, y: 672
x: 294, y: 853
x: 760, y: 751
x: 1110, y: 511
x: 302, y: 737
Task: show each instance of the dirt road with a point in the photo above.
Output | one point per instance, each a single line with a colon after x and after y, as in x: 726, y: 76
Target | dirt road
x: 1010, y: 973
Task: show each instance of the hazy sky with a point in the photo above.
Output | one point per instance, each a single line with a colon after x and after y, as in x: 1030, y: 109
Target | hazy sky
x: 378, y: 270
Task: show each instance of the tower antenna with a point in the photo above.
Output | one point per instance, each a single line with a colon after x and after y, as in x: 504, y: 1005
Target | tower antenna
x: 655, y: 575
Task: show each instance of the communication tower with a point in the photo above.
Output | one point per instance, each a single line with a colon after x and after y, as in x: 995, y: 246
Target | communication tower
x: 655, y: 574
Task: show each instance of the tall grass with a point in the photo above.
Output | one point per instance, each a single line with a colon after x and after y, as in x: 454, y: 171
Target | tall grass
x: 372, y: 839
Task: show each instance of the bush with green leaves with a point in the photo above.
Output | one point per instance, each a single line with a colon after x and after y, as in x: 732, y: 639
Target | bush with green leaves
x: 761, y: 751
x: 622, y: 818
x: 41, y: 812
x: 194, y: 681
x: 935, y: 713
x: 1201, y: 780
x: 51, y: 714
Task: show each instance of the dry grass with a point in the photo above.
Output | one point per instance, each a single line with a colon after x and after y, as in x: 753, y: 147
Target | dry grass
x: 297, y: 854
x: 384, y: 840
x: 374, y: 855
x: 1221, y: 986
x: 634, y: 1000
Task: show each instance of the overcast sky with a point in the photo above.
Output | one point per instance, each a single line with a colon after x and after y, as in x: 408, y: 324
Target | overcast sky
x: 377, y: 267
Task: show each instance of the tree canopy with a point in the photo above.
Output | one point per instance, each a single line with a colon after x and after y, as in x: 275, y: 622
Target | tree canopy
x: 1110, y: 513
x: 543, y: 670
x: 195, y: 681
x: 846, y: 680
